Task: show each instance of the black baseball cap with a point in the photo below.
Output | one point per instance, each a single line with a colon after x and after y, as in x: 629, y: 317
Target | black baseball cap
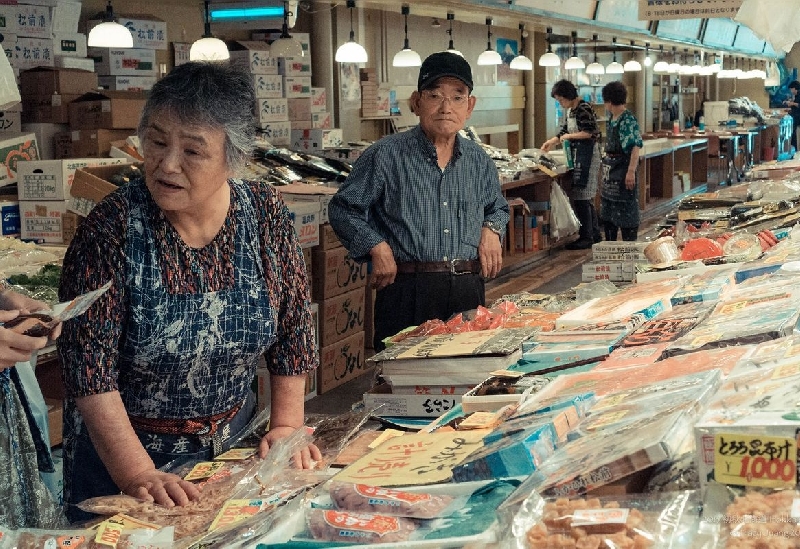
x: 444, y: 63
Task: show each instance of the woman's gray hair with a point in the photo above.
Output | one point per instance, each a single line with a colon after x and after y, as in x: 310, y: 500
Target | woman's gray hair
x: 209, y: 94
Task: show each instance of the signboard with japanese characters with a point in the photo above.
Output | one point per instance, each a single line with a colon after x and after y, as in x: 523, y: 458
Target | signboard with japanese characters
x: 687, y: 9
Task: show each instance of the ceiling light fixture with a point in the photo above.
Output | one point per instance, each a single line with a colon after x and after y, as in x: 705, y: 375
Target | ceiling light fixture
x: 632, y: 65
x: 614, y: 67
x: 574, y: 62
x: 208, y: 48
x: 351, y: 51
x: 490, y: 56
x: 595, y: 67
x: 661, y: 66
x: 285, y: 45
x: 521, y: 62
x: 548, y: 58
x: 674, y: 67
x: 450, y: 47
x: 109, y: 33
x: 647, y: 59
x: 406, y: 57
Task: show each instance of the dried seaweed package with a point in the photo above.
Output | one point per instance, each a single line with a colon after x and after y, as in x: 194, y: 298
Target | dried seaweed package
x: 332, y: 433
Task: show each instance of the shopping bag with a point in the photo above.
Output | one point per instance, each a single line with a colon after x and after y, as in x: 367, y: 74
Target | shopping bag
x: 563, y: 221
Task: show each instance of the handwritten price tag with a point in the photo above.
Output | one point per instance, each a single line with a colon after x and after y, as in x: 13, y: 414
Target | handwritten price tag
x: 754, y: 460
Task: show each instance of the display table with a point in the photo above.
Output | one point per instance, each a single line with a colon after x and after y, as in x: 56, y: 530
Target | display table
x: 660, y: 158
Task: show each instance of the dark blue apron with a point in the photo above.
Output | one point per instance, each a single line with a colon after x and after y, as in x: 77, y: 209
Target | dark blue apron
x: 183, y: 355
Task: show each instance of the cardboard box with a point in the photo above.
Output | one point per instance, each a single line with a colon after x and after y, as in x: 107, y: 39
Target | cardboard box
x: 55, y: 420
x: 82, y: 63
x: 619, y: 271
x: 26, y: 20
x: 9, y: 218
x: 148, y: 32
x: 55, y: 111
x: 93, y: 143
x: 253, y: 56
x: 341, y: 362
x: 319, y: 100
x: 315, y: 140
x: 299, y: 108
x: 277, y: 133
x: 90, y: 185
x: 41, y: 221
x: 318, y: 120
x: 62, y: 145
x: 304, y: 192
x: 69, y: 45
x: 8, y: 41
x: 52, y: 179
x: 272, y: 110
x: 127, y: 83
x: 408, y: 405
x: 305, y: 216
x: 336, y: 273
x: 294, y: 66
x: 11, y: 121
x: 297, y: 86
x: 32, y: 52
x: 69, y: 224
x: 369, y: 316
x: 341, y: 316
x: 108, y: 109
x: 15, y: 147
x: 124, y: 62
x: 46, y: 81
x: 327, y: 238
x: 268, y: 85
x: 308, y: 264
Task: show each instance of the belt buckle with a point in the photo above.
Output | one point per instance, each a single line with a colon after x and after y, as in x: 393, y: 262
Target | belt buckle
x: 453, y: 270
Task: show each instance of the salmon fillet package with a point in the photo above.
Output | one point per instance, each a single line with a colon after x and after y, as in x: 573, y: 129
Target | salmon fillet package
x: 363, y: 498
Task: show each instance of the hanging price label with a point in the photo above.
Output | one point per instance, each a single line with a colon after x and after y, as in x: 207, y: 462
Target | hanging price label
x: 754, y: 460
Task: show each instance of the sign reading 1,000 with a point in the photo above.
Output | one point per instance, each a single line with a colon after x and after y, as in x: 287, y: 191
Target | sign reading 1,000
x: 755, y: 460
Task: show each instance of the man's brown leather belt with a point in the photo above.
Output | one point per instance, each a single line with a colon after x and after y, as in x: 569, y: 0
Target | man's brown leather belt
x: 456, y: 267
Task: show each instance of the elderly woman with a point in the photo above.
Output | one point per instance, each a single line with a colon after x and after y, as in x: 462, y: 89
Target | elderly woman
x: 580, y: 129
x: 619, y: 197
x: 207, y: 277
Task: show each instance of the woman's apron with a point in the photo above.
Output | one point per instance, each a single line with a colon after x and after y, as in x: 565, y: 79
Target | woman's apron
x: 171, y: 351
x: 619, y: 205
x: 586, y: 164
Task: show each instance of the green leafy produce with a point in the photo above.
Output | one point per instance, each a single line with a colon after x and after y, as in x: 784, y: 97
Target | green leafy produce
x: 48, y: 276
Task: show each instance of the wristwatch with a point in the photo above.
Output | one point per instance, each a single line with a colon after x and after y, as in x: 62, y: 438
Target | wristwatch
x: 494, y: 228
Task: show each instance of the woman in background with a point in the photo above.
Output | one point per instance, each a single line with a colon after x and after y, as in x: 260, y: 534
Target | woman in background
x: 619, y: 209
x: 581, y: 130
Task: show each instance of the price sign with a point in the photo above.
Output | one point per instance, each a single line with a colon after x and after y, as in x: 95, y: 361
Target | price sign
x: 754, y: 460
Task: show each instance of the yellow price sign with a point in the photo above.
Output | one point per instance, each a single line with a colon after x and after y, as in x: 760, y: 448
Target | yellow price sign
x: 755, y: 460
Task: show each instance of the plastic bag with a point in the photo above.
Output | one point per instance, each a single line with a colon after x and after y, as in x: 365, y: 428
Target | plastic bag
x: 9, y: 92
x: 563, y: 221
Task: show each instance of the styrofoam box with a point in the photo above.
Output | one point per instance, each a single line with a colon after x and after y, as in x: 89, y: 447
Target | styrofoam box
x: 27, y: 20
x: 67, y: 62
x: 69, y: 45
x: 52, y: 179
x: 272, y: 110
x: 65, y: 16
x: 615, y: 271
x: 127, y: 83
x: 254, y: 57
x: 410, y: 405
x: 124, y: 62
x: 306, y: 222
x: 32, y: 52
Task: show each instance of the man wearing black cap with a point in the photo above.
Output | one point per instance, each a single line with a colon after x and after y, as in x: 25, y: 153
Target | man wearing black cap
x: 425, y: 207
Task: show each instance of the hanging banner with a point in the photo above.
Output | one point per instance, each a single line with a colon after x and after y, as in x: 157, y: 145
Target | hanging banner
x: 687, y: 9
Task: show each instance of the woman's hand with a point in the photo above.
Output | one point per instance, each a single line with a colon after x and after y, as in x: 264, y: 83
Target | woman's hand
x: 630, y: 180
x: 550, y: 143
x: 9, y: 299
x: 162, y: 488
x: 303, y: 459
x: 16, y: 347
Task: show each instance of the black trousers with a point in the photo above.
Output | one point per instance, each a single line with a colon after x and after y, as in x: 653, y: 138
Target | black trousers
x: 628, y: 234
x: 415, y: 298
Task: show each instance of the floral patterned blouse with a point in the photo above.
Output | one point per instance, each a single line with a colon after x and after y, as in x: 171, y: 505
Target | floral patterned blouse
x: 89, y: 345
x: 629, y: 134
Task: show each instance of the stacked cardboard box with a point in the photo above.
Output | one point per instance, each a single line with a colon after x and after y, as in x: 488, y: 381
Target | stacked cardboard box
x: 374, y: 97
x: 338, y: 285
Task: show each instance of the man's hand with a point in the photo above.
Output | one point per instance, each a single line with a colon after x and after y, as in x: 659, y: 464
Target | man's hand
x: 490, y: 252
x: 302, y: 460
x: 384, y: 267
x: 163, y: 488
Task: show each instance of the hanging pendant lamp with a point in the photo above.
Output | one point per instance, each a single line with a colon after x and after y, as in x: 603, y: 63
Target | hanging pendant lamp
x: 521, y: 61
x: 109, y: 33
x: 614, y: 67
x: 632, y: 65
x: 548, y: 58
x: 351, y: 51
x: 450, y: 47
x: 285, y: 45
x: 648, y: 61
x: 208, y: 48
x: 574, y: 62
x: 490, y: 56
x: 661, y: 66
x: 406, y: 57
x: 595, y: 67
